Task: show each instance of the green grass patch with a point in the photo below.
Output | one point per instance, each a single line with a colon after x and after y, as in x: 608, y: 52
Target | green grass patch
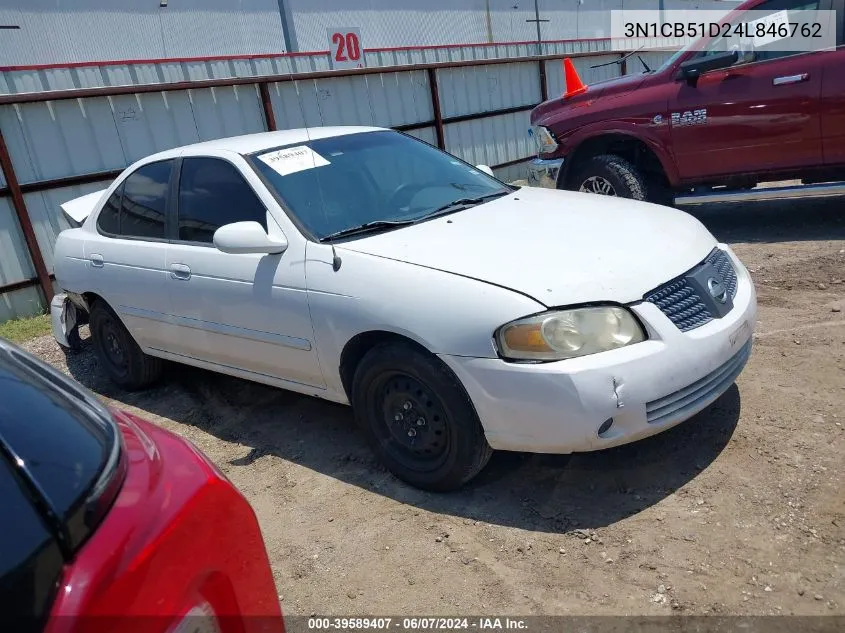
x: 22, y: 330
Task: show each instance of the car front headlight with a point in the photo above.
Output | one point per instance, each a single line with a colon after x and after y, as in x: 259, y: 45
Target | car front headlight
x: 545, y: 140
x: 562, y: 334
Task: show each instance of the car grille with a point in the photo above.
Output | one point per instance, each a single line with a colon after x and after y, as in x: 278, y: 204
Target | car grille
x: 679, y: 300
x: 721, y: 261
x: 699, y: 394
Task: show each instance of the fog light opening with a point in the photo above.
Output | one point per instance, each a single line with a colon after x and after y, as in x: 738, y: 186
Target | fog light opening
x: 605, y: 427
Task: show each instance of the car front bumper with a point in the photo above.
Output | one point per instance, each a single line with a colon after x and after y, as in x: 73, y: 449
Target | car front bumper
x: 644, y: 389
x: 64, y: 319
x: 543, y: 172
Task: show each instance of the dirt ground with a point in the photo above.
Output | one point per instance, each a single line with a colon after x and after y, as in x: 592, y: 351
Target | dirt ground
x: 740, y: 510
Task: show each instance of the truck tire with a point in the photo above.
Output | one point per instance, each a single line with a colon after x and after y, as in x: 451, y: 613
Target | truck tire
x: 610, y: 175
x: 417, y: 418
x: 118, y: 353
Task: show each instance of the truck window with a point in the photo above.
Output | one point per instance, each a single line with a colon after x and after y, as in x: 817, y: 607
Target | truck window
x: 724, y: 44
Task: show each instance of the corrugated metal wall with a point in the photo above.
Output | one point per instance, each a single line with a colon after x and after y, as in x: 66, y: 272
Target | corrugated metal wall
x: 53, y: 32
x: 73, y: 137
x: 399, y: 23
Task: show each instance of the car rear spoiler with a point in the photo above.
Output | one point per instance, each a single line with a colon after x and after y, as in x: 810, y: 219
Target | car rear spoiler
x: 78, y: 209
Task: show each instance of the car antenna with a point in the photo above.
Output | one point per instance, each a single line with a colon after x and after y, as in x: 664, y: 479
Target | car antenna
x: 336, y: 261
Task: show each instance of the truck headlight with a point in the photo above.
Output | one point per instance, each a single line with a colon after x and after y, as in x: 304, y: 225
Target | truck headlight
x: 545, y: 140
x: 561, y: 334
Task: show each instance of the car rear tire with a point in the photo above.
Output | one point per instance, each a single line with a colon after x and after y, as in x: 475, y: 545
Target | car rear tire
x: 417, y: 418
x: 118, y: 353
x: 610, y: 175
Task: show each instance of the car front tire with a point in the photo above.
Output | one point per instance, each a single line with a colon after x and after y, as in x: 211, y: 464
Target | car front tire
x: 417, y: 418
x: 118, y: 353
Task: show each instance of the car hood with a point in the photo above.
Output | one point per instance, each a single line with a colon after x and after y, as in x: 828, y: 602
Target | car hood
x: 625, y: 83
x: 551, y: 110
x: 558, y: 247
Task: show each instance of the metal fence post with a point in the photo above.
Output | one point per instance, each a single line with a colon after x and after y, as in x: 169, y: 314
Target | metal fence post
x: 269, y: 115
x: 435, y: 106
x: 24, y: 221
x: 544, y: 87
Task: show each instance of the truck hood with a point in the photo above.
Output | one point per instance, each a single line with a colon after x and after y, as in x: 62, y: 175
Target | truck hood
x: 557, y: 247
x: 601, y: 89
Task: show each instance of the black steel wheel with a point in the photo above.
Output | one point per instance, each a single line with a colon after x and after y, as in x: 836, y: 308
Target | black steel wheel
x: 414, y: 422
x: 417, y: 417
x: 118, y: 353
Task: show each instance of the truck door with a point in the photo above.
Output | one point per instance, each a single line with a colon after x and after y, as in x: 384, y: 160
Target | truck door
x: 760, y: 115
x: 833, y: 98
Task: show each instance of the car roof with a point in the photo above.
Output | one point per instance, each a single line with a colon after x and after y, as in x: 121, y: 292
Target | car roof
x: 249, y: 143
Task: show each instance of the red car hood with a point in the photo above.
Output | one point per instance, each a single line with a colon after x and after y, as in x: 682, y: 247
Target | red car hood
x: 604, y: 89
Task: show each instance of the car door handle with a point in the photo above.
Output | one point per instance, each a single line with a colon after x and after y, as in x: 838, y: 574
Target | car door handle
x: 97, y: 260
x: 180, y: 271
x: 790, y: 79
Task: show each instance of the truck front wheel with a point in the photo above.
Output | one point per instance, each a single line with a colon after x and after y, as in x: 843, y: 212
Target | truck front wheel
x: 609, y: 175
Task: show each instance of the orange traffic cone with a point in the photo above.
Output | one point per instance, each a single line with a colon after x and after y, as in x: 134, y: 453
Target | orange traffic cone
x: 574, y: 85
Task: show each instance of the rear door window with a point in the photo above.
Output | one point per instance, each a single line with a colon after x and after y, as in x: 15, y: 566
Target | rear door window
x: 138, y: 207
x: 109, y: 219
x: 144, y: 205
x: 212, y: 193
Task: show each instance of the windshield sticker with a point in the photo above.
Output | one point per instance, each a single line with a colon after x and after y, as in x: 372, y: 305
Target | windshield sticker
x: 774, y: 27
x: 293, y: 159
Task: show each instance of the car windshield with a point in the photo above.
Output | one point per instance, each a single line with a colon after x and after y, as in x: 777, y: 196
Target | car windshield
x: 675, y: 56
x: 333, y: 185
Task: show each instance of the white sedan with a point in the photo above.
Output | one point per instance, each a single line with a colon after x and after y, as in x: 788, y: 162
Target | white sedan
x: 455, y: 313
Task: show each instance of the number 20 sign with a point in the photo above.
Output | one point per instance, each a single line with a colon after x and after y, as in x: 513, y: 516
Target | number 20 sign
x: 345, y: 50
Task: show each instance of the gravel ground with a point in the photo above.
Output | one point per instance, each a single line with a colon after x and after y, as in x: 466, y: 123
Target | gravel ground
x: 740, y: 510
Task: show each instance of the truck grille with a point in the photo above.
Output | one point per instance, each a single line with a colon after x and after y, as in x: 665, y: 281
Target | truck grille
x: 695, y: 397
x: 679, y: 300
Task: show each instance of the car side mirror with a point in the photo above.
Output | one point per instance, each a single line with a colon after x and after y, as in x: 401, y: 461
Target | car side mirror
x: 247, y: 237
x: 691, y: 70
x: 485, y: 169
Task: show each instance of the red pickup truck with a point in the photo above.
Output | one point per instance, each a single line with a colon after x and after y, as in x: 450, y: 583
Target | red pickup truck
x: 707, y: 126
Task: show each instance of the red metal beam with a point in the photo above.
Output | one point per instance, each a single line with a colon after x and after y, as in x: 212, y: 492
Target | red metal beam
x: 435, y: 107
x: 267, y: 105
x: 20, y: 285
x: 483, y: 115
x: 24, y: 221
x: 544, y: 86
x: 226, y: 58
x: 107, y: 91
x: 407, y: 127
x: 510, y: 163
x: 67, y: 181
